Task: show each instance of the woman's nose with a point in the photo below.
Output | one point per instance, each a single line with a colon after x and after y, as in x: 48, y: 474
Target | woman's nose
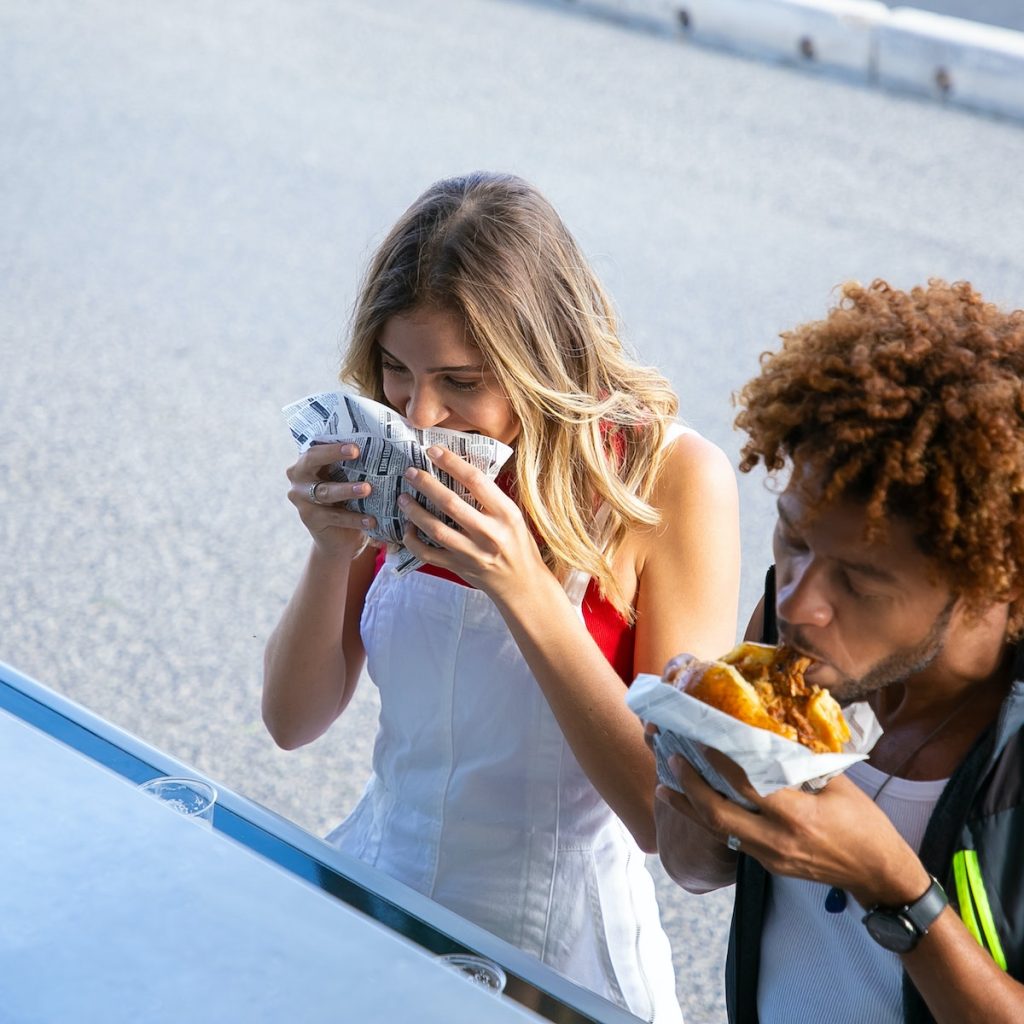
x: 801, y: 599
x: 423, y: 407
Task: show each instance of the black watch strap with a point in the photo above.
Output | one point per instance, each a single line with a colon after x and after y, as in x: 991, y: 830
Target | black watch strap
x: 922, y: 912
x: 900, y: 929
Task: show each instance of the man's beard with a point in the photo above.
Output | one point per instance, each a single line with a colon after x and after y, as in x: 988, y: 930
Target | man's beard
x: 895, y: 668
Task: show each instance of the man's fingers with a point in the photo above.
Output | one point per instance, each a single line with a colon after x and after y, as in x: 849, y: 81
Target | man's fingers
x: 732, y: 773
x: 716, y: 813
x: 675, y: 799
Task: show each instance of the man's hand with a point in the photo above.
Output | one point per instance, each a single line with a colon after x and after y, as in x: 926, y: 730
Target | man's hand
x: 837, y: 835
x: 692, y: 856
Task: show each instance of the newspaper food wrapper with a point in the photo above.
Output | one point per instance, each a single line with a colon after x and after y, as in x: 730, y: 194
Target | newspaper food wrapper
x: 388, y: 446
x: 771, y: 762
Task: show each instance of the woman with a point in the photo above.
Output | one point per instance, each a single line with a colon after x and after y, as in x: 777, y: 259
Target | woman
x: 511, y: 782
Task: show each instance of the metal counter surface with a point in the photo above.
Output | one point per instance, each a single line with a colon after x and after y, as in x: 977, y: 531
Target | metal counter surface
x: 116, y: 908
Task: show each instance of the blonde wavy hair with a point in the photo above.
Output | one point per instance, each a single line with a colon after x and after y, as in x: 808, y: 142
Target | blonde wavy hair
x: 492, y: 250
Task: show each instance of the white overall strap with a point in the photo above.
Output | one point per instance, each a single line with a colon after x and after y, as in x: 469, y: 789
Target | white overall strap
x: 577, y: 581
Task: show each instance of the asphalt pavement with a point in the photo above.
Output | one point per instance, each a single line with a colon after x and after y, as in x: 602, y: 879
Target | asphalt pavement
x: 190, y: 194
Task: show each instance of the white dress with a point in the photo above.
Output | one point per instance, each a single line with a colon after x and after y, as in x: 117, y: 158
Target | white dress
x: 477, y: 801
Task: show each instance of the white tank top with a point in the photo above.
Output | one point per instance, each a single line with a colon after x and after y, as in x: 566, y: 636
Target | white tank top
x: 801, y: 942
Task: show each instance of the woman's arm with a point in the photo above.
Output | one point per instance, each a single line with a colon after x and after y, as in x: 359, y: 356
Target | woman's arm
x: 496, y: 552
x: 314, y: 655
x: 689, y: 567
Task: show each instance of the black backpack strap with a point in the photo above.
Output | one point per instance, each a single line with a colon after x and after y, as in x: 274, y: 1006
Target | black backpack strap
x: 743, y: 961
x: 770, y: 629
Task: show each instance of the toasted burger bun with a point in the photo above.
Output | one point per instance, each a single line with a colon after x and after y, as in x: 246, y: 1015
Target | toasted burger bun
x: 764, y: 686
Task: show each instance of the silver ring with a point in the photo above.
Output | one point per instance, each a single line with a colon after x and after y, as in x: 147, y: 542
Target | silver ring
x: 312, y: 492
x: 733, y: 842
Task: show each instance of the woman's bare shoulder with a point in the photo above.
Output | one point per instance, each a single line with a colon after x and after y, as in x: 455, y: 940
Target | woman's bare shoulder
x: 693, y: 468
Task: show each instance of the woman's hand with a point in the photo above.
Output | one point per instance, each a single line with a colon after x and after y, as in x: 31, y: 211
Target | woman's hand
x: 837, y: 836
x: 494, y: 551
x: 321, y: 501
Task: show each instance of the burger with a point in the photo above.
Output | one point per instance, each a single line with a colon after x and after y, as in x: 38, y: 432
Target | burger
x: 764, y: 686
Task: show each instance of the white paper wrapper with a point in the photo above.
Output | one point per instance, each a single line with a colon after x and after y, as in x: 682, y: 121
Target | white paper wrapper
x: 770, y: 761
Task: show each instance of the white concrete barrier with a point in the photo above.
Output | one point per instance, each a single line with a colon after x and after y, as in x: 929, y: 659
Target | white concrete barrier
x: 951, y: 59
x: 827, y: 34
x: 960, y: 61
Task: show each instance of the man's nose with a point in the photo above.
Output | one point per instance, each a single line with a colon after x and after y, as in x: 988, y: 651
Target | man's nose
x: 802, y: 599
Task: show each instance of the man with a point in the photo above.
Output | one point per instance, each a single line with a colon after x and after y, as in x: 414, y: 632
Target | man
x: 899, y: 568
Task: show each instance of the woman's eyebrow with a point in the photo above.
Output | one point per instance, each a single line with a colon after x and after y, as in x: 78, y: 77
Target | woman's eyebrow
x: 469, y: 367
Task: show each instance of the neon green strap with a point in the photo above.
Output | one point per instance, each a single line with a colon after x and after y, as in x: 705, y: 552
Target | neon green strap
x: 963, y: 896
x: 984, y: 910
x: 970, y: 893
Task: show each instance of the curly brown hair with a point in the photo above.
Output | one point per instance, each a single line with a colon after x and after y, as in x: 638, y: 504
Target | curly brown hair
x: 912, y: 402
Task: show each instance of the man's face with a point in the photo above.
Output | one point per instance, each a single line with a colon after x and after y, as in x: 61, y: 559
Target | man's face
x: 869, y: 614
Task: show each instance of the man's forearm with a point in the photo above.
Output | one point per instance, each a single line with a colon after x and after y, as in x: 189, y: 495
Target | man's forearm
x: 959, y: 981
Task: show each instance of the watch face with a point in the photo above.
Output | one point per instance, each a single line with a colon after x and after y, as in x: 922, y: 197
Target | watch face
x: 891, y: 931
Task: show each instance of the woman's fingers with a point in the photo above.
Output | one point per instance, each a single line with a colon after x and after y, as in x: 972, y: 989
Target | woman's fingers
x: 444, y: 502
x: 322, y: 503
x: 489, y: 546
x: 318, y: 457
x: 484, y: 490
x: 328, y: 492
x: 445, y: 539
x: 310, y: 478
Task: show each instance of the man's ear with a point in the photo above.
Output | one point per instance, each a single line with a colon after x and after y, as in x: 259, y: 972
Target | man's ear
x: 755, y: 628
x: 995, y: 615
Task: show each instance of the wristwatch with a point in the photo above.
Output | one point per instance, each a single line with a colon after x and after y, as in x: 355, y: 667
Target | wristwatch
x: 900, y: 929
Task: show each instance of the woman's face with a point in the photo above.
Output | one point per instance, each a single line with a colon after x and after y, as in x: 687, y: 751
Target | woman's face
x: 435, y: 377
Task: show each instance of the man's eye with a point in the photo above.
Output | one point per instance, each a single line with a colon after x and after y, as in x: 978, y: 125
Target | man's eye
x: 787, y: 540
x: 862, y: 595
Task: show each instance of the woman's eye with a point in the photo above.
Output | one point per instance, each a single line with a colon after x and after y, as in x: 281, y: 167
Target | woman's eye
x: 463, y: 385
x: 388, y: 367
